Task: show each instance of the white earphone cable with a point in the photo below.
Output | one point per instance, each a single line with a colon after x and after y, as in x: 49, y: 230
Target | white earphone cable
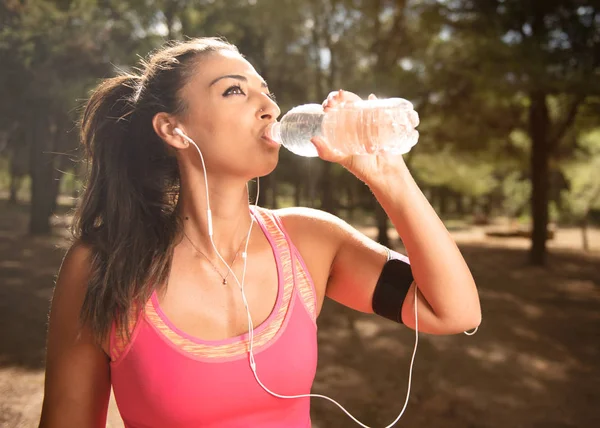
x: 252, y: 360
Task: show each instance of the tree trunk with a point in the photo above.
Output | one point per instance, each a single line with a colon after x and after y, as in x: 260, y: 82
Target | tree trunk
x: 433, y: 198
x: 311, y: 179
x: 472, y: 205
x: 55, y: 189
x: 169, y: 12
x: 351, y: 201
x: 265, y: 191
x: 382, y: 225
x: 15, y: 183
x: 459, y: 203
x: 327, y: 202
x: 19, y: 163
x: 487, y: 205
x: 443, y: 199
x: 298, y: 193
x: 274, y: 203
x: 539, y: 122
x: 584, y: 232
x: 42, y: 192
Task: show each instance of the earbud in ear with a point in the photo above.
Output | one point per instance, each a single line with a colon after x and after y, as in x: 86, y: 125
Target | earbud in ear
x: 182, y: 135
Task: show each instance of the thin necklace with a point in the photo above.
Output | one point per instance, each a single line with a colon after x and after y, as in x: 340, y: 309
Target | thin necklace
x: 212, y: 264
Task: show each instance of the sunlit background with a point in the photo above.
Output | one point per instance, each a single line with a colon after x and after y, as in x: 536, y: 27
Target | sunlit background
x: 508, y: 92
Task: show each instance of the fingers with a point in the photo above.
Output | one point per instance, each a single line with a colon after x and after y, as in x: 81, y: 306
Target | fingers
x: 338, y: 98
x: 333, y: 100
x: 321, y: 146
x: 325, y: 152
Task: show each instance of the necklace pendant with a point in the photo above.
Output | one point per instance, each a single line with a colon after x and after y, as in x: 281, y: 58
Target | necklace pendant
x: 224, y: 281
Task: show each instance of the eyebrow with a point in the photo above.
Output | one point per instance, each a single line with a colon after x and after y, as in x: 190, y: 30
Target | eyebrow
x: 263, y: 84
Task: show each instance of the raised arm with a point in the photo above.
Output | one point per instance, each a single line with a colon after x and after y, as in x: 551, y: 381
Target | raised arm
x: 448, y: 301
x: 448, y: 294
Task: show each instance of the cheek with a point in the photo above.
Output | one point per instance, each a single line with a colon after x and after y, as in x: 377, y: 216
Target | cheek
x: 224, y: 132
x: 218, y: 125
x: 205, y: 128
x: 233, y: 130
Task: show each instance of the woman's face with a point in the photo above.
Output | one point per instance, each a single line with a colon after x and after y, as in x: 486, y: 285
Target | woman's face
x: 229, y: 110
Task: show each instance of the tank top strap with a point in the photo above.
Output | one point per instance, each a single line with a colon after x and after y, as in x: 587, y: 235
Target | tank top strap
x: 301, y: 276
x: 275, y: 234
x: 118, y: 337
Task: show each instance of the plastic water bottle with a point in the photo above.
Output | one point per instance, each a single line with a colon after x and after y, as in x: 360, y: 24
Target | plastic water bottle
x: 363, y: 127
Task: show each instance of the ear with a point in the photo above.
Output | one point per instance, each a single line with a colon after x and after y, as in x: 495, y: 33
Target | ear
x: 164, y: 125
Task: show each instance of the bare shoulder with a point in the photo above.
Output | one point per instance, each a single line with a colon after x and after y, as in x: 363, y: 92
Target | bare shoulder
x: 318, y: 227
x: 310, y: 220
x: 76, y: 263
x: 313, y: 230
x: 77, y: 384
x: 72, y: 280
x: 71, y: 284
x: 344, y: 262
x: 317, y: 236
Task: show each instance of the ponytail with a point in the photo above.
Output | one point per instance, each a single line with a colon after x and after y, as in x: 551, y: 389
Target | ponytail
x: 127, y: 211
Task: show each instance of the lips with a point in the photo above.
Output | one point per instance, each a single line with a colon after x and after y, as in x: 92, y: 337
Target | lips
x: 268, y: 134
x: 267, y: 131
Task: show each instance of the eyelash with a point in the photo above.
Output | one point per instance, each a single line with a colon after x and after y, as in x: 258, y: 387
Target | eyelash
x: 228, y: 92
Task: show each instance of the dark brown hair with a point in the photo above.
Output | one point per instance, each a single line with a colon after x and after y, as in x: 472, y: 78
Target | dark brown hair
x: 127, y: 214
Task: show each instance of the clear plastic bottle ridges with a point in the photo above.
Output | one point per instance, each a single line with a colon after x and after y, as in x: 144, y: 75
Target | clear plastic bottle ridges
x: 364, y: 127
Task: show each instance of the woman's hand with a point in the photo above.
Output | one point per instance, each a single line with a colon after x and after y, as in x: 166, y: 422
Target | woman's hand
x: 365, y: 167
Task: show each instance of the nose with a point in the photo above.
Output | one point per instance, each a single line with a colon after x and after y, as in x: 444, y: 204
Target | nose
x: 269, y: 110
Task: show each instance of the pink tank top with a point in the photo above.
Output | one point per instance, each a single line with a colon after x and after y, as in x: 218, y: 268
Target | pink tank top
x: 167, y: 378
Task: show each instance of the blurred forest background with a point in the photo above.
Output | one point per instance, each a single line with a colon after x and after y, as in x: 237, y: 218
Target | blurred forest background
x: 508, y: 92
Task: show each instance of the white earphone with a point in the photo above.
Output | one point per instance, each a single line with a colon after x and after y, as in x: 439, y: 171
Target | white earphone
x: 250, y: 324
x: 181, y: 133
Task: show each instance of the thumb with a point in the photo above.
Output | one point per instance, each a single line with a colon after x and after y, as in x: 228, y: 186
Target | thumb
x: 324, y: 151
x: 321, y: 146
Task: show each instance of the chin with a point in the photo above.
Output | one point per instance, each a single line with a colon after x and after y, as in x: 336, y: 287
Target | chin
x: 268, y: 163
x: 262, y: 162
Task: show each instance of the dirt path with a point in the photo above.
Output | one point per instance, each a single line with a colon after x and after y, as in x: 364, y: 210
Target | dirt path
x: 534, y: 362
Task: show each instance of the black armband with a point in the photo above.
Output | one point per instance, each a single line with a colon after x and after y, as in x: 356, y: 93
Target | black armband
x: 391, y: 289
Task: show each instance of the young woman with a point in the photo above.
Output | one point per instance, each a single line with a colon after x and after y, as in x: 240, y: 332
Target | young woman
x: 145, y: 304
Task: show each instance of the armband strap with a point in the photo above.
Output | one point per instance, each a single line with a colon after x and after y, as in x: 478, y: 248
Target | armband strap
x: 392, y: 287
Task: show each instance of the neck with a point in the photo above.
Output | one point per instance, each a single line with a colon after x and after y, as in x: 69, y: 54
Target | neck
x: 230, y: 211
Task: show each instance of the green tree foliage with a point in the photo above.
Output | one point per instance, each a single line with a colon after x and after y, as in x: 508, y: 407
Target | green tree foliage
x: 52, y: 52
x: 505, y: 89
x: 539, y: 56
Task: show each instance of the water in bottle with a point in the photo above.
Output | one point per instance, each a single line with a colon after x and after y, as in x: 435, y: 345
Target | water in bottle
x: 363, y: 127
